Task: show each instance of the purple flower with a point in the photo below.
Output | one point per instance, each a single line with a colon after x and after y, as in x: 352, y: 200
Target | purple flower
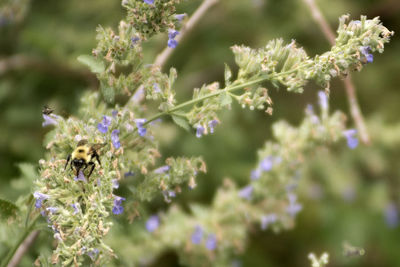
x: 50, y: 119
x: 246, y: 192
x: 80, y: 177
x: 323, y: 100
x: 139, y: 125
x: 391, y: 215
x: 150, y: 2
x: 39, y: 199
x: 172, y: 33
x: 75, y: 207
x: 267, y: 220
x: 365, y: 50
x: 352, y: 141
x: 199, y: 131
x: 211, y: 242
x: 129, y: 173
x: 52, y: 210
x: 267, y: 164
x: 117, y: 208
x: 255, y: 174
x: 114, y: 113
x: 293, y: 207
x: 156, y: 87
x: 197, y: 235
x: 172, y: 43
x: 180, y: 17
x: 212, y: 124
x: 93, y: 253
x: 103, y: 126
x: 162, y: 169
x: 115, y: 183
x: 152, y: 223
x: 134, y: 40
x: 115, y: 139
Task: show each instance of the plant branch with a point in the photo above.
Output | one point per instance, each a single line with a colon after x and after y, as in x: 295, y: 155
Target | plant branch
x: 162, y: 58
x: 23, y: 248
x: 355, y: 110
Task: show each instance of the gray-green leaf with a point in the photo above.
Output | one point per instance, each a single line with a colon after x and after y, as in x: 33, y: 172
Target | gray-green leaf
x: 181, y: 121
x: 225, y: 99
x: 95, y: 65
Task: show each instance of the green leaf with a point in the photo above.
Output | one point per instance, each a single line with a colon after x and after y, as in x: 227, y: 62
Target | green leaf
x: 95, y: 65
x: 228, y: 75
x: 225, y: 99
x: 181, y: 121
x: 108, y: 94
x: 7, y: 209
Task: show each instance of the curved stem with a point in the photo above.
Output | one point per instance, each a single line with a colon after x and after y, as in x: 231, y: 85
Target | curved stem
x: 20, y: 241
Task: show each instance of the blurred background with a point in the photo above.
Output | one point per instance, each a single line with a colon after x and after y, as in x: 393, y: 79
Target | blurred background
x: 347, y: 195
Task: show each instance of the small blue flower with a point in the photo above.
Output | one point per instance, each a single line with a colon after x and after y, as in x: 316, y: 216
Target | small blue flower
x: 199, y: 131
x: 172, y: 33
x: 115, y: 139
x: 293, y: 207
x: 246, y: 192
x: 52, y: 210
x: 103, y: 126
x: 81, y: 177
x: 117, y: 208
x: 255, y: 174
x: 150, y: 2
x: 365, y: 50
x: 212, y: 124
x: 211, y: 242
x: 134, y: 40
x: 93, y: 253
x: 114, y: 113
x: 323, y: 100
x: 129, y: 173
x: 115, y: 183
x: 391, y: 215
x: 197, y: 235
x: 172, y: 43
x: 75, y: 207
x: 267, y: 163
x: 152, y: 223
x: 352, y: 141
x: 39, y: 199
x: 180, y: 17
x: 267, y: 220
x: 156, y: 87
x: 139, y: 124
x: 162, y: 169
x: 49, y: 120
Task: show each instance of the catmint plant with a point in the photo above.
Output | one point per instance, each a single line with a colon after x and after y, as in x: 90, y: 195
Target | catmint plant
x: 80, y: 209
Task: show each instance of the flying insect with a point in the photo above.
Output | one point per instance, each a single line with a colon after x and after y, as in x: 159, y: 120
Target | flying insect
x: 83, y: 156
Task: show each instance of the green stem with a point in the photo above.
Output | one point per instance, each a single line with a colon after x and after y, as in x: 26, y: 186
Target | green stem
x: 12, y: 251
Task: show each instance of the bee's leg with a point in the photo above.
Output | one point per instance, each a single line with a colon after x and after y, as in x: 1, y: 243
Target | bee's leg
x: 91, y: 170
x: 68, y: 159
x: 96, y: 156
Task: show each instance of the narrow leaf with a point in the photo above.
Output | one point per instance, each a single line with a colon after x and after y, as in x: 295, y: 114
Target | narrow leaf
x: 95, y: 65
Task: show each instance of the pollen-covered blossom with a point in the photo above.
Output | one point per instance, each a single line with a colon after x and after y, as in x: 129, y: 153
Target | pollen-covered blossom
x: 199, y: 131
x: 115, y: 139
x: 103, y: 126
x: 293, y: 207
x: 162, y: 169
x: 212, y: 124
x: 391, y: 215
x: 352, y: 141
x: 172, y: 43
x: 39, y: 199
x: 211, y: 242
x: 139, y: 124
x: 365, y: 50
x: 197, y: 235
x: 267, y: 164
x: 171, y: 38
x: 134, y: 40
x: 323, y: 100
x: 152, y: 223
x: 267, y: 220
x: 93, y: 253
x: 52, y: 210
x: 117, y: 208
x: 150, y: 2
x: 246, y: 192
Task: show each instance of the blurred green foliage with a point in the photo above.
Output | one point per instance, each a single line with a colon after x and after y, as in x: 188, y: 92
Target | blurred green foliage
x: 344, y: 192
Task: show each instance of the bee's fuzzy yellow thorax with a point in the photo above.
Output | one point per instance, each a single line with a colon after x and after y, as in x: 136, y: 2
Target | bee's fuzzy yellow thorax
x: 81, y: 152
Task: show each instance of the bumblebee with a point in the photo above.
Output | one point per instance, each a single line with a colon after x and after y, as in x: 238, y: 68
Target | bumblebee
x: 83, y: 156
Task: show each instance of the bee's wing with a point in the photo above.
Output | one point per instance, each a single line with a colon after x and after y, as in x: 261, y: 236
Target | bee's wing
x: 96, y: 147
